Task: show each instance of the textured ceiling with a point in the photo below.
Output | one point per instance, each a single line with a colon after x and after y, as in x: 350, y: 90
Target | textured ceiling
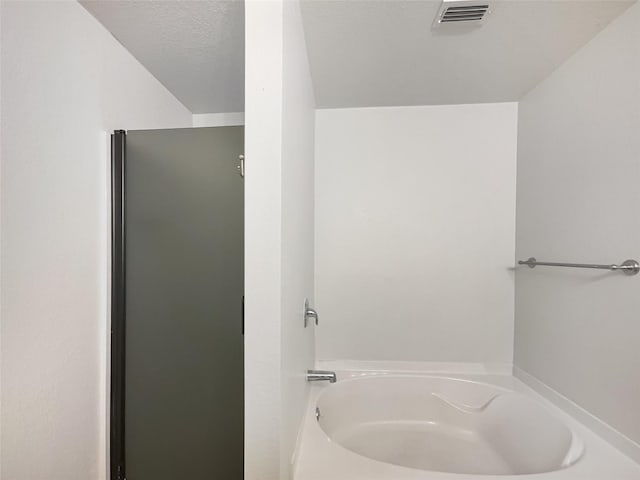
x: 376, y: 53
x: 195, y: 48
x: 362, y: 52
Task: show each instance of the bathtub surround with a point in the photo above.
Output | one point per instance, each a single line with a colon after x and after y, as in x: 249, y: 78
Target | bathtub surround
x: 65, y: 84
x: 439, y: 368
x: 578, y: 201
x: 415, y: 219
x: 605, y: 431
x: 279, y: 185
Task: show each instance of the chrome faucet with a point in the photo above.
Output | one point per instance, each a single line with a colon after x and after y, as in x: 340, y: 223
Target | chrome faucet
x: 319, y: 375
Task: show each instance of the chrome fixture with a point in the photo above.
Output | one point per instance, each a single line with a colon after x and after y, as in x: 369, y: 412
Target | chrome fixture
x: 240, y: 166
x: 320, y: 375
x: 318, y: 414
x: 309, y: 313
x: 629, y: 267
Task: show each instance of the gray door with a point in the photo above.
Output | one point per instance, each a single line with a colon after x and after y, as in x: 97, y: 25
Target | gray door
x: 183, y: 408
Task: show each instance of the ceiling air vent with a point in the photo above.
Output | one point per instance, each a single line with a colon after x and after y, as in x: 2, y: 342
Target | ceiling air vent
x: 456, y: 12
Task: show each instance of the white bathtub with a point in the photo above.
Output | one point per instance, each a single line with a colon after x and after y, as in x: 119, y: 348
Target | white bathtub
x: 419, y: 426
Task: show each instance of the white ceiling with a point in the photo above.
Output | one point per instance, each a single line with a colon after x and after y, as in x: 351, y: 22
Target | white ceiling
x: 362, y: 52
x: 377, y: 53
x: 195, y: 48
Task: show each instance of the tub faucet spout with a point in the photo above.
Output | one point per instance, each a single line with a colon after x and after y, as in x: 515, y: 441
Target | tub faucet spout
x: 319, y: 375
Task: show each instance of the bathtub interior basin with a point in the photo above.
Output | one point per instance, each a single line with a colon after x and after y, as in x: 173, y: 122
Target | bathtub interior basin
x: 446, y: 425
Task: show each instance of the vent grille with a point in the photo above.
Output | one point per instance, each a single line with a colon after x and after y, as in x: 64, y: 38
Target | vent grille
x: 461, y: 12
x: 464, y: 13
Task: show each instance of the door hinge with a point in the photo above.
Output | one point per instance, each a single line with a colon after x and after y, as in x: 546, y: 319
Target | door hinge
x: 120, y: 473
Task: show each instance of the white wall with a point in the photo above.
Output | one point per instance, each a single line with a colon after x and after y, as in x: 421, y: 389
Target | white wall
x: 279, y: 149
x: 298, y: 149
x: 263, y: 238
x: 231, y: 119
x: 415, y: 218
x: 578, y: 201
x: 65, y: 82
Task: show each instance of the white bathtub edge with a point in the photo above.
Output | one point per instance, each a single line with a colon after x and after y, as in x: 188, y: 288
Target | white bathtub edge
x: 620, y: 441
x: 302, y: 425
x: 391, y: 366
